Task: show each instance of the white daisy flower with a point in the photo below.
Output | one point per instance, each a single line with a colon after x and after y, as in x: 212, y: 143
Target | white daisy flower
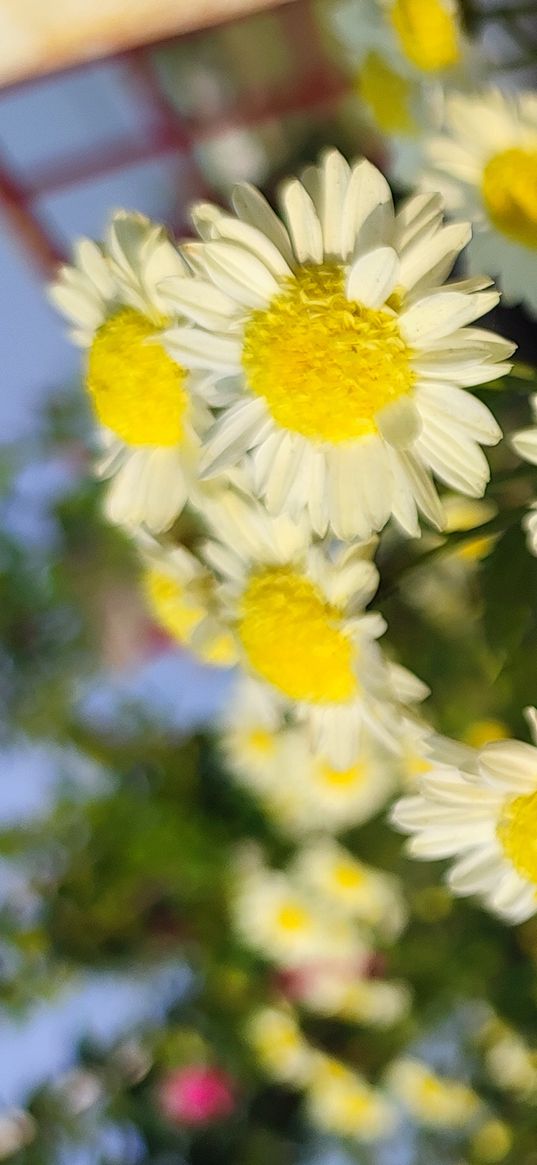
x: 344, y: 360
x: 404, y: 53
x: 485, y: 817
x: 279, y: 1045
x: 524, y: 443
x: 250, y: 734
x: 304, y: 792
x: 432, y: 1100
x: 179, y: 592
x: 278, y: 919
x: 485, y: 163
x: 340, y: 992
x: 297, y: 612
x: 341, y: 1101
x: 143, y: 399
x: 350, y: 887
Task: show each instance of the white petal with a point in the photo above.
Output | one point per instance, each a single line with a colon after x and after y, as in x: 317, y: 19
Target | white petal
x: 302, y: 221
x: 448, y: 401
x: 512, y: 764
x: 335, y: 173
x: 367, y: 210
x: 90, y: 259
x: 198, y: 349
x: 525, y: 444
x: 240, y: 274
x: 432, y: 261
x: 417, y: 212
x: 400, y: 422
x: 438, y: 315
x: 253, y: 240
x: 252, y: 207
x: 76, y: 305
x: 373, y: 276
x: 199, y: 301
x: 422, y: 488
x: 236, y: 431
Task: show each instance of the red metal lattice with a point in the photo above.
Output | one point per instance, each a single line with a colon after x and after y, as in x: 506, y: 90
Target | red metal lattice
x: 314, y: 83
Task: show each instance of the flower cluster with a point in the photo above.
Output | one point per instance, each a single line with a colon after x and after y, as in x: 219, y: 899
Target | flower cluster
x: 269, y: 398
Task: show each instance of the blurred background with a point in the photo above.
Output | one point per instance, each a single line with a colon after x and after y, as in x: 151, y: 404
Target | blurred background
x: 146, y: 107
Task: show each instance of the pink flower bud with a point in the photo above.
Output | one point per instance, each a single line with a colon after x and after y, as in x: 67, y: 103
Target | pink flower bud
x: 196, y: 1095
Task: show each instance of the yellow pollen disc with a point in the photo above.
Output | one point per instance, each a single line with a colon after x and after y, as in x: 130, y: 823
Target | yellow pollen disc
x: 517, y: 833
x: 137, y: 389
x: 509, y: 189
x: 483, y: 732
x: 428, y: 33
x: 292, y: 637
x: 261, y: 741
x: 170, y: 606
x: 325, y: 365
x: 347, y: 876
x: 342, y: 779
x: 292, y: 918
x: 387, y: 94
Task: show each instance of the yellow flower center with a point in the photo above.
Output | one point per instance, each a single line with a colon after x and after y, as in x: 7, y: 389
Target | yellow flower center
x: 325, y: 365
x: 483, y: 732
x: 292, y: 637
x: 517, y: 833
x: 428, y: 33
x: 292, y: 918
x: 137, y: 390
x: 509, y: 189
x: 170, y: 605
x: 342, y: 779
x: 387, y: 94
x: 261, y: 741
x: 347, y: 876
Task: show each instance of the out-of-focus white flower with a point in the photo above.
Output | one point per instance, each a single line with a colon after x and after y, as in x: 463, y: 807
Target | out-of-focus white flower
x: 524, y: 443
x: 343, y: 360
x: 17, y: 1129
x: 301, y: 789
x: 485, y: 165
x: 279, y: 1045
x: 277, y: 918
x: 485, y: 818
x: 337, y: 990
x: 145, y: 401
x: 347, y: 886
x: 341, y: 1101
x: 510, y: 1062
x: 404, y: 53
x: 180, y: 593
x: 297, y: 614
x: 431, y: 1099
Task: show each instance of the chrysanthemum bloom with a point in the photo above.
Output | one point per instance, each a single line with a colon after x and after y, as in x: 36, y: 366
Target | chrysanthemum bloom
x: 297, y: 613
x: 347, y: 886
x: 180, y: 594
x: 485, y: 163
x: 142, y: 397
x: 343, y: 360
x: 486, y: 819
x: 279, y: 1045
x: 340, y: 992
x: 431, y: 1099
x: 404, y: 52
x: 277, y: 918
x: 525, y: 444
x: 341, y: 1101
x: 196, y: 1095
